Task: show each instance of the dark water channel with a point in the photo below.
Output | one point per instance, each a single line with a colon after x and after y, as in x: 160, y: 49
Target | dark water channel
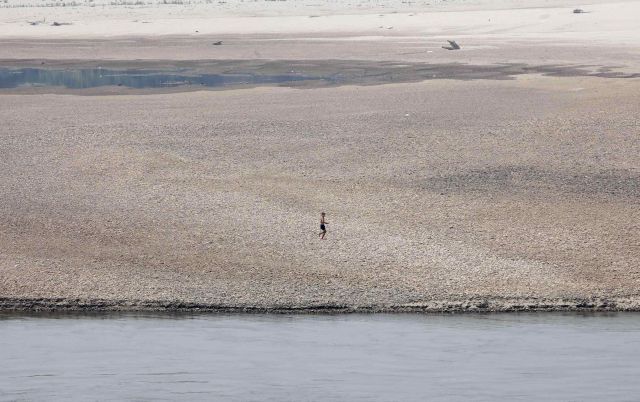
x: 226, y: 73
x: 83, y: 78
x: 507, y: 357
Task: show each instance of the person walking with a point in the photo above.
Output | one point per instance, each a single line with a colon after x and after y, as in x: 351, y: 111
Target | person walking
x: 323, y: 227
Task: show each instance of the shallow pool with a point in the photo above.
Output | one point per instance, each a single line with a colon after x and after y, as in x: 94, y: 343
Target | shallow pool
x: 82, y: 78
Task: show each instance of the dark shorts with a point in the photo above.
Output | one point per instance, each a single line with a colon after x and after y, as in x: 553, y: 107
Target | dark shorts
x: 322, y: 227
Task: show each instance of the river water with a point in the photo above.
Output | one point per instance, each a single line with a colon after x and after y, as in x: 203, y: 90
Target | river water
x: 563, y: 357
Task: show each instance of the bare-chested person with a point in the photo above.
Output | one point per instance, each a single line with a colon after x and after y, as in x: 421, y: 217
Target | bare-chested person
x: 322, y: 226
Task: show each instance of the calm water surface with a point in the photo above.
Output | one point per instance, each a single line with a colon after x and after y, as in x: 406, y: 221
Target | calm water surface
x: 82, y: 78
x: 559, y: 357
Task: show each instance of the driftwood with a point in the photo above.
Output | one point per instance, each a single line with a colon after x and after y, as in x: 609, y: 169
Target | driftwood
x: 454, y: 45
x: 578, y: 11
x: 218, y: 43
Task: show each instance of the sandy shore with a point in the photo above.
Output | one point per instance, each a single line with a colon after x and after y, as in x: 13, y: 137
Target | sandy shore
x: 474, y: 194
x: 605, y: 21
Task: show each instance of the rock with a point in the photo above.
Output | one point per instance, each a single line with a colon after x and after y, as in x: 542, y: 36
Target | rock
x: 482, y: 304
x: 454, y: 45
